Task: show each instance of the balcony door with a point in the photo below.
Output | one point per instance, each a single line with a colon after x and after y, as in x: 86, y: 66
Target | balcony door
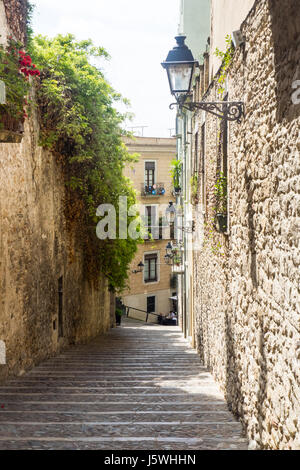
x: 151, y: 221
x: 149, y: 174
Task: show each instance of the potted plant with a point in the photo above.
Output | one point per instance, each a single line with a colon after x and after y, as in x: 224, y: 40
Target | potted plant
x: 221, y: 198
x: 176, y: 171
x: 177, y: 258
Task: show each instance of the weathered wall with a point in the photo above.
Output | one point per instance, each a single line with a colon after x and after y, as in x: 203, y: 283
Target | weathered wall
x: 247, y: 290
x: 36, y: 249
x: 16, y: 19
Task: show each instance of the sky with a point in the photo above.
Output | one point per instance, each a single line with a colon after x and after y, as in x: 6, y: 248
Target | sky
x: 137, y: 34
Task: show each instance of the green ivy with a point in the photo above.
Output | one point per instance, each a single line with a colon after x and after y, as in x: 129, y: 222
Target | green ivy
x: 226, y: 58
x: 221, y: 193
x: 194, y: 188
x: 80, y: 124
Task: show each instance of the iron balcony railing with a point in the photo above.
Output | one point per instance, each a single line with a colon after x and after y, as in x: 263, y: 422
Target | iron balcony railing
x: 158, y: 232
x: 155, y: 190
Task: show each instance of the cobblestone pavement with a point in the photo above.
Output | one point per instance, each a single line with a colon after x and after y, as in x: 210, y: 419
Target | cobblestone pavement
x: 138, y: 387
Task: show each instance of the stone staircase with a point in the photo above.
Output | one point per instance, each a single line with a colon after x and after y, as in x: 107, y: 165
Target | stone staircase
x: 140, y: 387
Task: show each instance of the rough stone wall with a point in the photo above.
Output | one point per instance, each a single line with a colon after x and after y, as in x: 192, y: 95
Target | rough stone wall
x: 36, y: 249
x: 247, y: 290
x: 16, y: 15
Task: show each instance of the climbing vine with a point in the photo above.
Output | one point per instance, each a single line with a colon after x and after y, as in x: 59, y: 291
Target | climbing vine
x: 221, y: 193
x: 80, y: 124
x: 194, y: 188
x: 226, y: 58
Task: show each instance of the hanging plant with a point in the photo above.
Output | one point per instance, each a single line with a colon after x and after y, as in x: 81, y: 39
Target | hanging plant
x: 176, y: 171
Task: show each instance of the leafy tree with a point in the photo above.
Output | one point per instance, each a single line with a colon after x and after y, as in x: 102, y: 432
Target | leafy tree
x: 80, y: 124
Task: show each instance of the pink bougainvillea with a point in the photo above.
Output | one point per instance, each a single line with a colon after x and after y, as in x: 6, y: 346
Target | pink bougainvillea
x: 26, y: 66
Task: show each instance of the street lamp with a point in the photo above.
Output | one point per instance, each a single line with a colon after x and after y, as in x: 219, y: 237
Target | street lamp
x: 169, y: 249
x: 170, y: 216
x: 170, y: 213
x: 140, y: 268
x: 180, y: 66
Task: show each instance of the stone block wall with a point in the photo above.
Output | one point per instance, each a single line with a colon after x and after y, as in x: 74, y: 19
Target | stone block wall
x: 46, y: 301
x: 247, y: 282
x: 36, y: 250
x: 16, y: 17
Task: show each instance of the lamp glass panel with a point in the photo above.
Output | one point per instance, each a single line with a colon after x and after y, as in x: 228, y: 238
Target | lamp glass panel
x: 180, y: 77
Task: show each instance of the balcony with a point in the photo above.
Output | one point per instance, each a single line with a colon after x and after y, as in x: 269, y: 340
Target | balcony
x: 178, y: 269
x: 158, y: 232
x: 155, y: 190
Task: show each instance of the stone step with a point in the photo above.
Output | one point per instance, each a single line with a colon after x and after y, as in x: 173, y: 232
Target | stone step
x: 119, y: 429
x: 91, y: 390
x: 98, y: 397
x: 129, y: 373
x: 69, y: 407
x: 126, y: 443
x: 107, y: 382
x: 138, y: 387
x: 188, y: 417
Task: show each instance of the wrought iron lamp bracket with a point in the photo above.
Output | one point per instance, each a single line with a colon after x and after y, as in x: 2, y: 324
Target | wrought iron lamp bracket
x: 228, y: 110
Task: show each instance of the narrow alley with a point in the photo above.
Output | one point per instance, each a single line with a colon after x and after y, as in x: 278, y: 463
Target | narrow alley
x: 138, y: 387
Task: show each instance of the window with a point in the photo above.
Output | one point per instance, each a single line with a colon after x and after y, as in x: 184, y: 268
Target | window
x: 150, y: 270
x: 149, y: 174
x: 60, y: 307
x: 151, y: 222
x: 151, y: 304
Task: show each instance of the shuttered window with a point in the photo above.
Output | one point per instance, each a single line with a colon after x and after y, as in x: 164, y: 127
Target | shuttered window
x: 149, y: 174
x: 150, y: 270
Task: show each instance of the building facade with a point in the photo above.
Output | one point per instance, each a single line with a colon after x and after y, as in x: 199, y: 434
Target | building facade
x: 151, y: 289
x: 240, y: 300
x: 194, y: 23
